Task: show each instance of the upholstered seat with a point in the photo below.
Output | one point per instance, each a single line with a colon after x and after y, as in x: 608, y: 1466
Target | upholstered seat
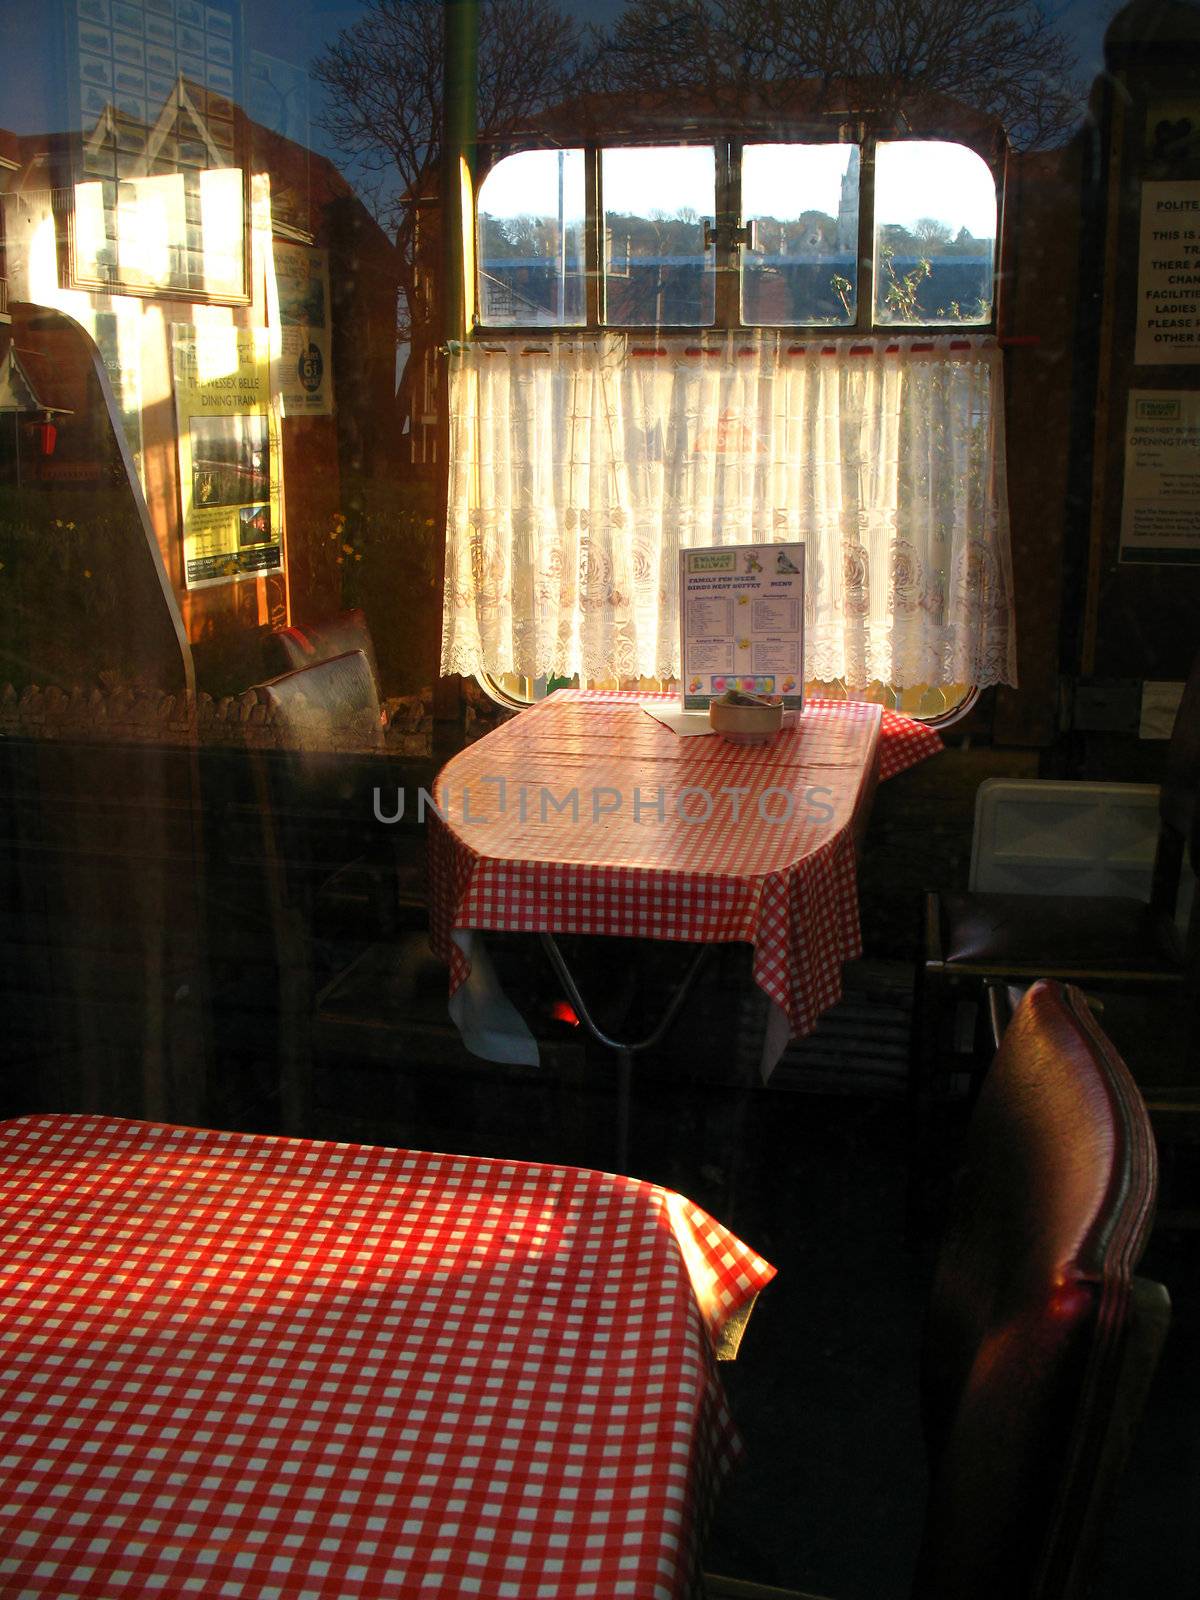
x: 1070, y: 937
x: 307, y: 644
x: 348, y: 901
x: 1108, y: 944
x: 1039, y: 1342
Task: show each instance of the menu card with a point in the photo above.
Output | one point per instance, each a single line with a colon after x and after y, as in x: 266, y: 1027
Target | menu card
x: 741, y: 621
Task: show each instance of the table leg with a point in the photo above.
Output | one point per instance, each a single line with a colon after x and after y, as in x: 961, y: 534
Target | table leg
x: 624, y: 1088
x: 625, y: 1049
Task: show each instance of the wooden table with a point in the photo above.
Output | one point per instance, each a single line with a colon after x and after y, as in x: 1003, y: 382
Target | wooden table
x: 237, y: 1366
x: 585, y: 815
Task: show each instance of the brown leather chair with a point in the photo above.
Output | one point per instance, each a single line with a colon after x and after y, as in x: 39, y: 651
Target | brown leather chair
x: 307, y: 644
x: 1039, y: 1341
x: 326, y: 722
x: 1106, y: 943
x: 336, y: 882
x: 349, y: 910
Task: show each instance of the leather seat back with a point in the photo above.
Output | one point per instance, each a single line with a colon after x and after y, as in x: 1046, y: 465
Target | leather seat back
x: 307, y: 644
x: 1032, y: 1306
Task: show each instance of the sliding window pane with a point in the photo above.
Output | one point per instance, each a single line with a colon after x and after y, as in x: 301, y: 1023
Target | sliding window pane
x: 531, y: 241
x: 935, y: 234
x: 658, y: 272
x: 802, y: 200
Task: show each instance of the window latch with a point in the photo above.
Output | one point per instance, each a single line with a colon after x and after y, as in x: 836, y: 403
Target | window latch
x: 746, y: 236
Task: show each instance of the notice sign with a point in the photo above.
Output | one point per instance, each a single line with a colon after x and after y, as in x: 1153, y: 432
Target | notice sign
x: 741, y: 619
x: 298, y: 305
x: 1168, y: 310
x: 1159, y: 519
x: 229, y: 462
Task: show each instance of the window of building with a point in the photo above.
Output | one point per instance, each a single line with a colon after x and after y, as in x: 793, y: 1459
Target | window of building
x: 714, y: 341
x: 641, y: 236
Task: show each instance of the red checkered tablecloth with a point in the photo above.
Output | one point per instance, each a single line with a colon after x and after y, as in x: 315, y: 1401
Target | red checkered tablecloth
x: 586, y: 815
x: 275, y: 1369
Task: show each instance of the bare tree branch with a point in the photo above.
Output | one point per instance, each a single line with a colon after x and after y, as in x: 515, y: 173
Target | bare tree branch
x: 998, y: 57
x: 384, y: 75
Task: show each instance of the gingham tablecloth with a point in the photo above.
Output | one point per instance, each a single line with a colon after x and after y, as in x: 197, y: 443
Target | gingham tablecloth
x: 585, y: 815
x: 274, y: 1369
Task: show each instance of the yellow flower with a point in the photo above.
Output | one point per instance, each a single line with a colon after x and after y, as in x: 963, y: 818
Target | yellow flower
x: 70, y: 524
x: 357, y: 557
x: 348, y: 549
x: 87, y: 572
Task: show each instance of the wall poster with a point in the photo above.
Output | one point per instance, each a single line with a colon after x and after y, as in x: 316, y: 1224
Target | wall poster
x: 229, y: 456
x: 1168, y: 296
x: 298, y: 308
x: 741, y: 620
x: 1159, y: 522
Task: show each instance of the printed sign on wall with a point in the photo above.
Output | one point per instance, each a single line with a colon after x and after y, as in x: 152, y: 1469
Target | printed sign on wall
x: 1168, y: 303
x: 1162, y: 477
x: 298, y: 307
x: 229, y: 457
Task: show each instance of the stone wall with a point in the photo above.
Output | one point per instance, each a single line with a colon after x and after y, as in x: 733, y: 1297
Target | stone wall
x: 147, y: 716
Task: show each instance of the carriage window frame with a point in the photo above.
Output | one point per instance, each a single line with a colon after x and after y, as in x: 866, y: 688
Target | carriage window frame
x: 956, y: 701
x: 728, y: 233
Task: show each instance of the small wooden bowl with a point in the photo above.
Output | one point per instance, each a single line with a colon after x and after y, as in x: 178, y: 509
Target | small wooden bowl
x: 745, y: 724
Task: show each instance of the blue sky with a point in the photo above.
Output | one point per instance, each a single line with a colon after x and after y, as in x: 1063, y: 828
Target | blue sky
x: 298, y: 29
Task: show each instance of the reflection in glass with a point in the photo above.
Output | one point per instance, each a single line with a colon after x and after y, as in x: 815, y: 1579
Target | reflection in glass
x: 802, y: 201
x: 659, y: 272
x: 151, y: 232
x: 531, y: 241
x: 178, y: 231
x: 221, y: 230
x: 935, y: 233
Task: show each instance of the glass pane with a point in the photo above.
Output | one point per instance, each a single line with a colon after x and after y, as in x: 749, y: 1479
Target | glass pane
x: 658, y: 272
x: 935, y: 234
x: 803, y: 202
x: 531, y: 233
x: 160, y: 204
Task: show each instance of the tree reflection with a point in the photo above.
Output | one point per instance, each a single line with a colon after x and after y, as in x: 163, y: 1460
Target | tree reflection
x: 1000, y: 58
x: 384, y: 74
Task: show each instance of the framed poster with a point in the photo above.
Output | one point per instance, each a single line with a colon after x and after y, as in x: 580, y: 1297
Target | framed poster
x: 741, y: 621
x: 229, y: 455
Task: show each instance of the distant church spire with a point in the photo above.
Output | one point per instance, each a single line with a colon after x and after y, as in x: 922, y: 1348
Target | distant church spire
x: 847, y: 217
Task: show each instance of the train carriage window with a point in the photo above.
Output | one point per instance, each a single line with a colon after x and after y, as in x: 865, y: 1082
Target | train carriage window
x: 935, y: 227
x: 792, y: 233
x: 800, y: 262
x: 531, y: 233
x: 734, y: 339
x: 661, y: 263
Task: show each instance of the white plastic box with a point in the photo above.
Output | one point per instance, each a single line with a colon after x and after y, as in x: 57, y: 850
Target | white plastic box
x: 1036, y: 836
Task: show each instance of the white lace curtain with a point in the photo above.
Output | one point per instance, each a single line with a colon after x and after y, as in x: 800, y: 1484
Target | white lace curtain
x: 581, y: 467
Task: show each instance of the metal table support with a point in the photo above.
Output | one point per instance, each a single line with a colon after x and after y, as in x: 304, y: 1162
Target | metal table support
x: 625, y: 1049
